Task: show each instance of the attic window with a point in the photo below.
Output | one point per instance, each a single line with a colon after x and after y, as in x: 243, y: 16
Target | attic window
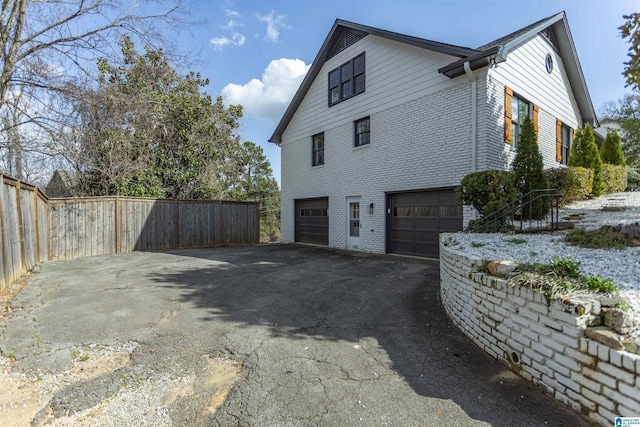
x: 345, y: 39
x: 347, y: 80
x: 550, y: 36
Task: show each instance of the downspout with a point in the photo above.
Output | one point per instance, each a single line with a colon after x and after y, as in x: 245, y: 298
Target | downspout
x: 474, y: 116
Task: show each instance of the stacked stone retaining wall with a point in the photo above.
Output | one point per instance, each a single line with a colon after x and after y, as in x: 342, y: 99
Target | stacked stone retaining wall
x: 543, y: 341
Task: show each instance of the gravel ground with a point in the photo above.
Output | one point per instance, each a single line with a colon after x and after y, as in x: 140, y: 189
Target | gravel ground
x: 622, y: 266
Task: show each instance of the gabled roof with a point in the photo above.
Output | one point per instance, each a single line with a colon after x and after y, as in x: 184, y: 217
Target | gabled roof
x: 488, y: 54
x: 327, y: 47
x: 498, y: 50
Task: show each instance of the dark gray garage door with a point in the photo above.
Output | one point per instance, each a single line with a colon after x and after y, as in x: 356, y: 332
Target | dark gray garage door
x: 415, y: 219
x: 312, y: 221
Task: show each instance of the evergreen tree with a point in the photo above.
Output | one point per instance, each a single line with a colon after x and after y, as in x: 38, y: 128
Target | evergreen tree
x: 528, y: 171
x: 611, y: 150
x: 585, y: 153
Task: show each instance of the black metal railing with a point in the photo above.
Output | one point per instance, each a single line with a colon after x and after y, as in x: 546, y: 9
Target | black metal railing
x: 533, y: 212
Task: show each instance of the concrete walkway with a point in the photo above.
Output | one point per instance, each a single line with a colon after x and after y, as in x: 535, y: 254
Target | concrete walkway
x: 266, y: 335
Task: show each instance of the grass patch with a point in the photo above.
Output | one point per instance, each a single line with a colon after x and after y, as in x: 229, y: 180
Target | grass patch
x: 477, y: 244
x: 597, y: 239
x: 560, y: 276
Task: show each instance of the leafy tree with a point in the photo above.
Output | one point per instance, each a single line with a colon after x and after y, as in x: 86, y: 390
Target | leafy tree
x: 528, y: 171
x: 611, y: 150
x: 631, y: 30
x: 585, y: 153
x: 148, y: 131
x: 626, y: 112
x: 47, y: 44
x: 253, y: 181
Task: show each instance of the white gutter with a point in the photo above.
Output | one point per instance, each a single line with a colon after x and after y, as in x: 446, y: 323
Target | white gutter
x: 474, y: 116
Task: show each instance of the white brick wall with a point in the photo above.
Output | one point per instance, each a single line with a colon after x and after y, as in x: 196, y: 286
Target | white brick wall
x: 415, y: 145
x: 548, y: 340
x: 420, y: 130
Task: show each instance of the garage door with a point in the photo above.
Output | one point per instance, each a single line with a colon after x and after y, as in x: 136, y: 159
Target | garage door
x: 312, y: 221
x: 415, y: 219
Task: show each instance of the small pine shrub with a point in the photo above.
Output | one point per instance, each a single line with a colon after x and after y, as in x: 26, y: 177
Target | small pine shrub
x: 528, y: 172
x: 585, y: 153
x: 611, y: 149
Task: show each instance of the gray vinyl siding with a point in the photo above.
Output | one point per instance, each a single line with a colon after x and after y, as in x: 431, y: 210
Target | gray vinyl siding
x: 395, y: 73
x: 525, y: 73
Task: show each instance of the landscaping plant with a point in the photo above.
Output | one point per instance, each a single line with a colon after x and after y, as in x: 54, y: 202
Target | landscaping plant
x: 528, y: 172
x: 611, y: 150
x: 585, y: 153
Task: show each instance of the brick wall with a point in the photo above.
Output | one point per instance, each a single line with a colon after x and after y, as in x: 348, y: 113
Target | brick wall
x: 414, y: 146
x: 543, y: 341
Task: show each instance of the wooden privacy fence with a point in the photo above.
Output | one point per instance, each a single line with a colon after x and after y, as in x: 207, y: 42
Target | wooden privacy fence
x: 24, y: 227
x: 36, y: 229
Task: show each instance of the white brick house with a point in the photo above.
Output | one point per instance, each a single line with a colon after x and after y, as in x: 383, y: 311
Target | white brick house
x: 385, y: 125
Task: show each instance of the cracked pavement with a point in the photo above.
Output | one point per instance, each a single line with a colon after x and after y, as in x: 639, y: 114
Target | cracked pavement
x: 323, y: 338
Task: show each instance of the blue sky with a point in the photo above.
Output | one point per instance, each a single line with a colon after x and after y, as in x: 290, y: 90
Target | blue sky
x: 255, y: 53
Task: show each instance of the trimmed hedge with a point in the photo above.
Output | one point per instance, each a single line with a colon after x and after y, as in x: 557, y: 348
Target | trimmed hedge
x: 487, y: 191
x: 614, y: 178
x: 574, y: 182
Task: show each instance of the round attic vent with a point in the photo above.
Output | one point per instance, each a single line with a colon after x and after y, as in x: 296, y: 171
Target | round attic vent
x: 549, y: 63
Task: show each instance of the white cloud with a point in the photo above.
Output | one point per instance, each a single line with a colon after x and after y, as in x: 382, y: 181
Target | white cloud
x: 237, y: 39
x: 268, y: 97
x: 232, y: 13
x: 274, y: 23
x: 231, y: 24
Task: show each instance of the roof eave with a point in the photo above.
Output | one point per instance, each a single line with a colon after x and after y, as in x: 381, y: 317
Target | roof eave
x: 476, y: 61
x: 575, y: 74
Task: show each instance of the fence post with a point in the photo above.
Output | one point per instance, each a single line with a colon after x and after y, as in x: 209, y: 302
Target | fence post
x: 3, y: 237
x: 117, y: 213
x: 35, y: 212
x: 23, y: 255
x: 176, y: 227
x: 220, y: 223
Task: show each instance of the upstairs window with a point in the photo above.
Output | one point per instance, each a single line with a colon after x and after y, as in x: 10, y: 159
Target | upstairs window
x: 519, y: 110
x: 567, y: 134
x: 317, y: 149
x: 564, y: 136
x: 515, y: 111
x: 362, y: 132
x: 346, y: 81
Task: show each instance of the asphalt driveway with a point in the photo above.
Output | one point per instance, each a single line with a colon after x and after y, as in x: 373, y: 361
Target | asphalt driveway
x: 254, y: 336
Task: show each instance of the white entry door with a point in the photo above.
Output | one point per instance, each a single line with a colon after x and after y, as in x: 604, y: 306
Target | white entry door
x: 353, y: 223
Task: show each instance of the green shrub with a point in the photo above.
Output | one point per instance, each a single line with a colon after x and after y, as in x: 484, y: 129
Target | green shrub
x: 614, y: 178
x: 599, y: 284
x: 585, y: 153
x: 528, y: 172
x: 633, y: 179
x: 487, y: 191
x: 611, y: 150
x: 565, y: 267
x: 574, y: 182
